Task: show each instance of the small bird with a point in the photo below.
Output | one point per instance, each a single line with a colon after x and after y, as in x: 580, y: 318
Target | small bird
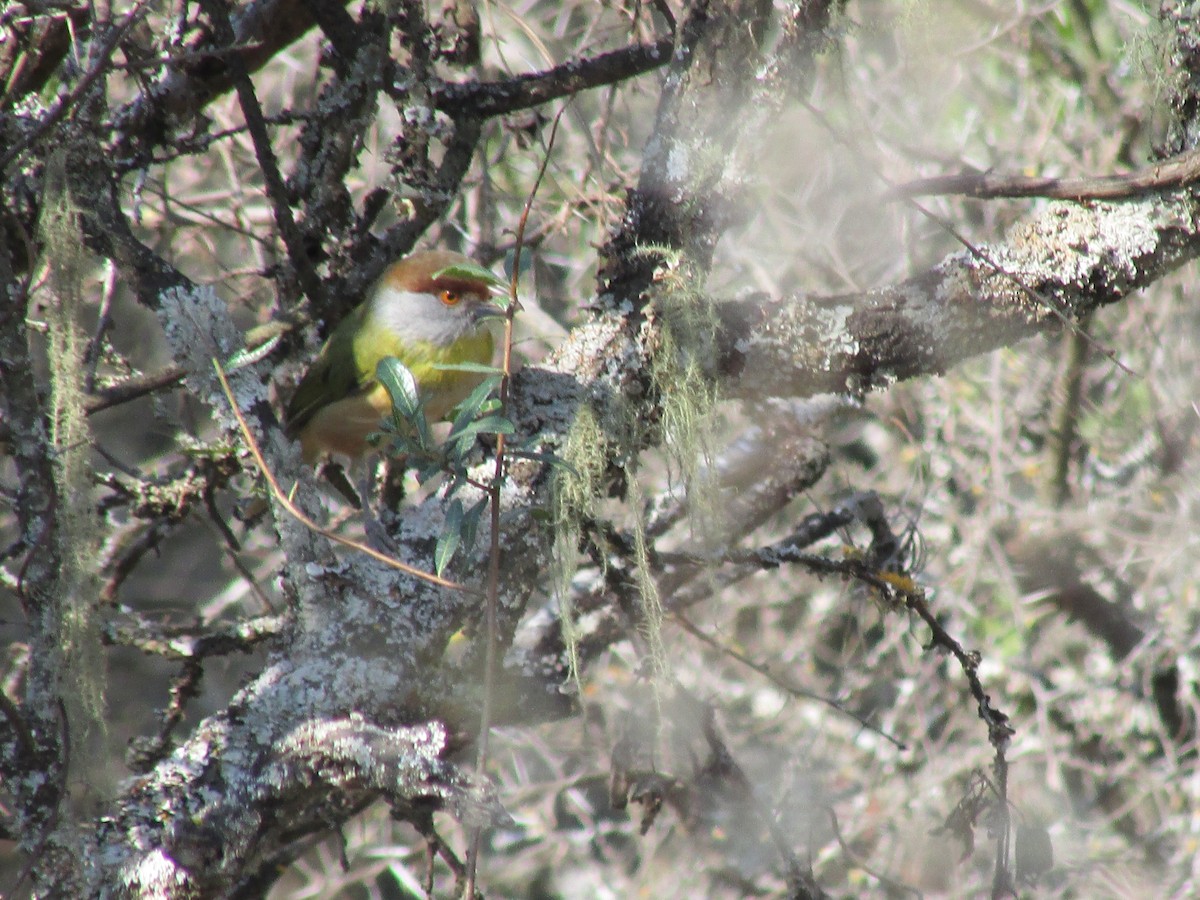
x: 412, y: 314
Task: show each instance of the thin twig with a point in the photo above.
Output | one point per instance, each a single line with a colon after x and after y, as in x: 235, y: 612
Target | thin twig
x: 857, y: 859
x: 786, y: 686
x: 493, y: 586
x: 257, y: 339
x: 63, y: 106
x: 1163, y: 175
x: 297, y: 514
x: 256, y: 125
x: 133, y: 388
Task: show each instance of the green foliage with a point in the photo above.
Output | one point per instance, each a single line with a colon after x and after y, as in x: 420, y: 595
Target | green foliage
x: 478, y: 414
x: 472, y: 272
x: 410, y: 436
x: 460, y: 530
x: 408, y: 417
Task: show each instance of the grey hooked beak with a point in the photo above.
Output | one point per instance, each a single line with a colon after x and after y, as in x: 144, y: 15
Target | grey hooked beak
x: 485, y: 311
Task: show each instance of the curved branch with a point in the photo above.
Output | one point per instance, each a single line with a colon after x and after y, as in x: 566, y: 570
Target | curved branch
x: 484, y: 99
x: 260, y: 31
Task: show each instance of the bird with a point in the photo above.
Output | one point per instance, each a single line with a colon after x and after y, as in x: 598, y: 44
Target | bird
x: 416, y: 311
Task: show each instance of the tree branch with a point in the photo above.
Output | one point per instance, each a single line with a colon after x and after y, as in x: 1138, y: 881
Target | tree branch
x: 1071, y: 259
x: 1179, y: 171
x: 485, y: 99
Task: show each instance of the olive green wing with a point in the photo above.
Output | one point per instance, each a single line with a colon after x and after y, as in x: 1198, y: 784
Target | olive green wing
x: 333, y: 375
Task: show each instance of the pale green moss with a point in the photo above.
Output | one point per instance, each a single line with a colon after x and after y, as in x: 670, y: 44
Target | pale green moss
x: 77, y: 523
x: 682, y: 327
x: 688, y: 397
x: 653, y: 613
x: 577, y: 487
x: 682, y: 377
x: 1151, y: 51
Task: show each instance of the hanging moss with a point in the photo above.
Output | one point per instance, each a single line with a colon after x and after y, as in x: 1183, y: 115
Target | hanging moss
x: 76, y: 520
x: 578, y: 485
x: 688, y: 397
x: 680, y: 333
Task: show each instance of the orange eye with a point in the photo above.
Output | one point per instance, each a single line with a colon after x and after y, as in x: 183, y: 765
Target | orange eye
x: 450, y: 298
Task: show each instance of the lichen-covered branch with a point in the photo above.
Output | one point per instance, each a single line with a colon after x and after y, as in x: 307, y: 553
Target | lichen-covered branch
x: 1051, y: 270
x: 267, y: 788
x: 33, y: 751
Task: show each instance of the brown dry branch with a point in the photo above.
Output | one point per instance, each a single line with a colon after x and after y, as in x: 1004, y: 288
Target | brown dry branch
x: 1164, y: 175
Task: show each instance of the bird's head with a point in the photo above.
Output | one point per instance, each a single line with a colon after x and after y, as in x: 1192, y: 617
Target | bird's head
x: 422, y: 297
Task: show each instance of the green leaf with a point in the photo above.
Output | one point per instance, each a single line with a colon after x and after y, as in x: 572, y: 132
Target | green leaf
x: 470, y: 527
x: 495, y: 425
x: 473, y: 404
x: 450, y: 538
x: 401, y: 386
x: 471, y: 272
x: 475, y: 368
x: 429, y: 469
x: 400, y: 383
x: 485, y: 425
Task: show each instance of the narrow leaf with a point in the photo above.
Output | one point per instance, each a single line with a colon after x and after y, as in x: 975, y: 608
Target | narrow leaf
x: 486, y: 425
x: 471, y: 272
x: 475, y: 368
x: 469, y: 407
x: 450, y: 538
x: 401, y: 386
x: 544, y: 457
x: 470, y: 527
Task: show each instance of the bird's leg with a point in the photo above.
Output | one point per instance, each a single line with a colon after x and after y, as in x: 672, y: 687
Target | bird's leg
x: 372, y: 524
x: 336, y: 476
x: 392, y: 489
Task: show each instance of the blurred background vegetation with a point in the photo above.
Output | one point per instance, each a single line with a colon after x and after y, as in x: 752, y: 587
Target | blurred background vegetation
x: 1054, y: 492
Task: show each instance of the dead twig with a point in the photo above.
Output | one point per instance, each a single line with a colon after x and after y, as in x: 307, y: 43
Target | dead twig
x: 296, y: 513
